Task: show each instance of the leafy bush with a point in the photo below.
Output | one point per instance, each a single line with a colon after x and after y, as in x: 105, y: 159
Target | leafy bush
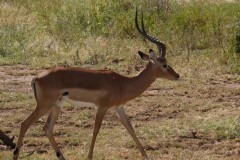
x: 187, y: 27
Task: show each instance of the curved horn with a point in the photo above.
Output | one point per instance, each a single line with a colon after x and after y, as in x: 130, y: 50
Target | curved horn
x: 161, y: 46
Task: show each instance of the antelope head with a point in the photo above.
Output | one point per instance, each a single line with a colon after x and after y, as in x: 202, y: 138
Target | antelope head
x: 158, y: 61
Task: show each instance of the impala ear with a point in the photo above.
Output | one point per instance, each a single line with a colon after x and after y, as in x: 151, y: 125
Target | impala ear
x: 143, y: 56
x: 153, y: 56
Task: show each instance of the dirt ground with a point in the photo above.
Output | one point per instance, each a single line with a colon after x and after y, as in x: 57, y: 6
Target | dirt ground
x: 195, y: 118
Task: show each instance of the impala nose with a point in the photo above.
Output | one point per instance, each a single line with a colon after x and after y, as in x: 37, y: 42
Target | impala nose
x: 177, y: 77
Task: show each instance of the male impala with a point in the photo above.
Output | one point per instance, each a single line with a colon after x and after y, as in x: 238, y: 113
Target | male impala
x: 102, y: 88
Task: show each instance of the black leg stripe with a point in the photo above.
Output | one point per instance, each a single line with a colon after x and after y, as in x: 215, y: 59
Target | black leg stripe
x: 58, y: 154
x: 15, y: 151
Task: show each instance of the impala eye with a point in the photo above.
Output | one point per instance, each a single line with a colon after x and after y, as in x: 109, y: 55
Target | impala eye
x: 165, y: 65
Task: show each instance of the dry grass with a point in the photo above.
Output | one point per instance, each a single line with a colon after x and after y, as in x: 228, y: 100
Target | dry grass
x: 194, y: 118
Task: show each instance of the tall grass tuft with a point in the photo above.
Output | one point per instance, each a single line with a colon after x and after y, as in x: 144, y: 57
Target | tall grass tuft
x: 51, y: 27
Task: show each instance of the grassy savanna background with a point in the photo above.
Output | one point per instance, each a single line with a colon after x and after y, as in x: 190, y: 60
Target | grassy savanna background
x: 196, y: 117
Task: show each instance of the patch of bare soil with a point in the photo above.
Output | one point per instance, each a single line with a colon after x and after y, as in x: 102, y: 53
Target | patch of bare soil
x: 15, y: 78
x: 161, y: 102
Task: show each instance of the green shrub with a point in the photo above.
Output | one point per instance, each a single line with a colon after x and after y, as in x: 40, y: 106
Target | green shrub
x: 187, y: 28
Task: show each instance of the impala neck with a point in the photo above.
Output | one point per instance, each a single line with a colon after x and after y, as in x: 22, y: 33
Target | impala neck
x: 138, y: 84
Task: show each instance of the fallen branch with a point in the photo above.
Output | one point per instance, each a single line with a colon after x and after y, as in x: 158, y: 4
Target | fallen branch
x: 7, y: 140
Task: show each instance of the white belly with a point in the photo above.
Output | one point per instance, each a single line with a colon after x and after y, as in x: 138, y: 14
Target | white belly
x: 77, y: 103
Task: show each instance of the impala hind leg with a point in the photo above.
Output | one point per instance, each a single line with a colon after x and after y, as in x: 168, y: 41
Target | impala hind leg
x: 120, y: 112
x: 36, y: 114
x: 98, y: 122
x: 48, y: 128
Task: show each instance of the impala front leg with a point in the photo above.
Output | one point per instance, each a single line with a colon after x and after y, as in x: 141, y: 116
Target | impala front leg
x: 120, y: 112
x: 98, y: 122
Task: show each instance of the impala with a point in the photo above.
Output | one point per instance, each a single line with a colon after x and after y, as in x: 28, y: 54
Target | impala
x: 101, y: 88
